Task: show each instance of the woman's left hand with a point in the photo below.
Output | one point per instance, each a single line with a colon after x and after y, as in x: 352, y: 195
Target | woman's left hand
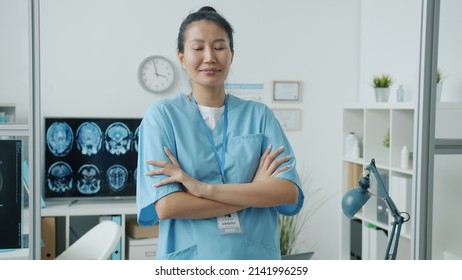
x: 270, y: 166
x: 174, y: 172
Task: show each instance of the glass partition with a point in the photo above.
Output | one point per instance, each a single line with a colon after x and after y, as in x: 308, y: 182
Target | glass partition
x: 447, y: 206
x: 446, y: 192
x: 449, y: 77
x: 17, y: 195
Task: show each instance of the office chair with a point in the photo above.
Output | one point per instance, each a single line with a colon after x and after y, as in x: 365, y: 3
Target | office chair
x: 97, y: 244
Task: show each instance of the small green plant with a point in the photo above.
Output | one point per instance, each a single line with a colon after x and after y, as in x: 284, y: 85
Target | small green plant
x: 386, y: 139
x: 289, y: 231
x: 382, y: 81
x: 439, y: 75
x: 291, y: 226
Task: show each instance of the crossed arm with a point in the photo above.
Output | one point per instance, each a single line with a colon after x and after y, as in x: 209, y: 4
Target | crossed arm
x: 202, y: 200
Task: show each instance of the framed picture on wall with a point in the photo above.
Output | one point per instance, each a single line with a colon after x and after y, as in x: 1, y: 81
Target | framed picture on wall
x: 287, y: 91
x: 289, y: 119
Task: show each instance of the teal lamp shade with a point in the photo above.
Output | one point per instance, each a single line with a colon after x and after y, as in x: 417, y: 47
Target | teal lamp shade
x: 353, y: 200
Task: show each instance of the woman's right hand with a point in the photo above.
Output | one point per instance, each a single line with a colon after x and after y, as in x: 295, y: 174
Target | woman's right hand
x: 269, y: 165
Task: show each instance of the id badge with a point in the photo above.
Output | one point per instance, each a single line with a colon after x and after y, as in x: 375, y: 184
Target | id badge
x: 229, y: 224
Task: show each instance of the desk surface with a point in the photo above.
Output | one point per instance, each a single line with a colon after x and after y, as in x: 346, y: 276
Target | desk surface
x: 89, y: 208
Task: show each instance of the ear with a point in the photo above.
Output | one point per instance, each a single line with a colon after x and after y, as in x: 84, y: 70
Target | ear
x: 180, y: 58
x: 232, y: 56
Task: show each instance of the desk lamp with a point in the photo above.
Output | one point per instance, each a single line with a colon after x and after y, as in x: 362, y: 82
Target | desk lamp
x: 355, y: 198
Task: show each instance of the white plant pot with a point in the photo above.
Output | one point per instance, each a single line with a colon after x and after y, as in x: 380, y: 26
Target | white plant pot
x: 382, y: 94
x: 439, y: 90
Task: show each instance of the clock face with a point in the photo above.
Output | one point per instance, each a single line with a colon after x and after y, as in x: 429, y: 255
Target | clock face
x: 156, y: 74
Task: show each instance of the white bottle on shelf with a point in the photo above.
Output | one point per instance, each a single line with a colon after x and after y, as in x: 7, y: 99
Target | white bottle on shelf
x: 350, y: 142
x: 404, y: 158
x: 356, y: 150
x: 400, y: 94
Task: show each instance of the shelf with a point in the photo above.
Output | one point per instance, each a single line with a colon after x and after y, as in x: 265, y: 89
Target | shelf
x: 381, y: 225
x: 17, y: 254
x: 89, y: 208
x: 381, y: 105
x: 364, y: 162
x: 371, y: 123
x: 14, y: 130
x: 90, y: 212
x: 355, y: 161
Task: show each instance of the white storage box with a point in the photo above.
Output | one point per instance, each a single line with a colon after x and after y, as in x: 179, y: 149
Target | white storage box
x: 141, y: 248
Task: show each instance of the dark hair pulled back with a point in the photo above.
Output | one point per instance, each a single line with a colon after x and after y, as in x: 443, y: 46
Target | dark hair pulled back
x: 206, y: 13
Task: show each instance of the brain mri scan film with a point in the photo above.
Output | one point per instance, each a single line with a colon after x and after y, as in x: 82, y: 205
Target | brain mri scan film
x: 117, y: 177
x: 88, y: 179
x: 59, y: 177
x: 99, y: 163
x: 118, y: 138
x: 59, y: 138
x: 89, y: 138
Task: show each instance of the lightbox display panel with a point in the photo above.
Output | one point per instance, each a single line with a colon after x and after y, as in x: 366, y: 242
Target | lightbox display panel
x: 91, y: 157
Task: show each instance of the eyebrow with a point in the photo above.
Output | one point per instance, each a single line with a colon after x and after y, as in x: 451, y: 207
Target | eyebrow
x: 202, y: 41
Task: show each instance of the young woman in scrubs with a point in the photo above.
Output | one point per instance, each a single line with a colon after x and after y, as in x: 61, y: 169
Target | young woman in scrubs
x: 214, y: 170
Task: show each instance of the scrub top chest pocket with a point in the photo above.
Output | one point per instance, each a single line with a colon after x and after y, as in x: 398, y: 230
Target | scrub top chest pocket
x: 243, y: 157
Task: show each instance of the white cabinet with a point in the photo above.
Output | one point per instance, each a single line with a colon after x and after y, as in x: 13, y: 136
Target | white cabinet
x: 373, y: 125
x: 91, y: 212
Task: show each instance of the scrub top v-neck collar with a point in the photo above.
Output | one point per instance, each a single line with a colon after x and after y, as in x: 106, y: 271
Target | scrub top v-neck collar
x: 208, y: 133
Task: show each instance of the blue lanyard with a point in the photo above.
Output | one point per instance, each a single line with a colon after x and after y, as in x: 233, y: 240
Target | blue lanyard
x: 220, y: 163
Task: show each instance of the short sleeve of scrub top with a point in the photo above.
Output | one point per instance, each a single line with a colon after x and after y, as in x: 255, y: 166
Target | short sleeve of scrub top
x: 275, y: 136
x: 151, y: 147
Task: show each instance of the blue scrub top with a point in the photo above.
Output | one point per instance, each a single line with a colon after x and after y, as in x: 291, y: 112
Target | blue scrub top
x: 176, y: 124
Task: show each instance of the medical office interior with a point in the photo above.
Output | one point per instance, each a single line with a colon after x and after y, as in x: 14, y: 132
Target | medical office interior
x: 78, y: 61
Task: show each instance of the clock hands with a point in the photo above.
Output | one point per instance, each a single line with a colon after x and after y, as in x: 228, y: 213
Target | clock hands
x: 155, y: 70
x: 155, y: 67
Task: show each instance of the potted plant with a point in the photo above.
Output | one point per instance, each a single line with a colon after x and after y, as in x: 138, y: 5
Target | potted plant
x: 291, y: 227
x: 386, y: 139
x: 381, y: 86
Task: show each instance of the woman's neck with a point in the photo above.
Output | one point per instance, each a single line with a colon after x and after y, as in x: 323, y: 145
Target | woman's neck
x: 210, y: 97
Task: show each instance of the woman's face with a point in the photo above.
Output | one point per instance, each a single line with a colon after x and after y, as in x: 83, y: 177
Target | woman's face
x: 207, y: 55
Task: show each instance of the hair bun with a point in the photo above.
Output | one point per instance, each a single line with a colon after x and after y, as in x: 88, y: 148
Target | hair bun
x: 207, y: 9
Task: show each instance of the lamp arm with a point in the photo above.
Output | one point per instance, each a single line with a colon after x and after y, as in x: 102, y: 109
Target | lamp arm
x: 391, y: 205
x: 398, y: 218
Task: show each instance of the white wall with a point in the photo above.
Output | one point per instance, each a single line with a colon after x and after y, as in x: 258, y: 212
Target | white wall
x: 90, y: 52
x: 14, y: 56
x: 449, y: 50
x: 390, y: 44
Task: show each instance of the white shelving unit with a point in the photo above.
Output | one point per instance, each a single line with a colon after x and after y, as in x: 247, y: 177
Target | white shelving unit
x: 90, y: 208
x: 371, y: 124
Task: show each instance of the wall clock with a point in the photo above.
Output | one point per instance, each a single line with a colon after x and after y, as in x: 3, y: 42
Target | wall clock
x: 156, y: 74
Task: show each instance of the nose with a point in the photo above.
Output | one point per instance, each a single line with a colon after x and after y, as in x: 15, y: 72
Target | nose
x: 209, y: 55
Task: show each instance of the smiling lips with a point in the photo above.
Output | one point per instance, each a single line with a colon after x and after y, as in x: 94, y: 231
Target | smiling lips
x: 210, y: 71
